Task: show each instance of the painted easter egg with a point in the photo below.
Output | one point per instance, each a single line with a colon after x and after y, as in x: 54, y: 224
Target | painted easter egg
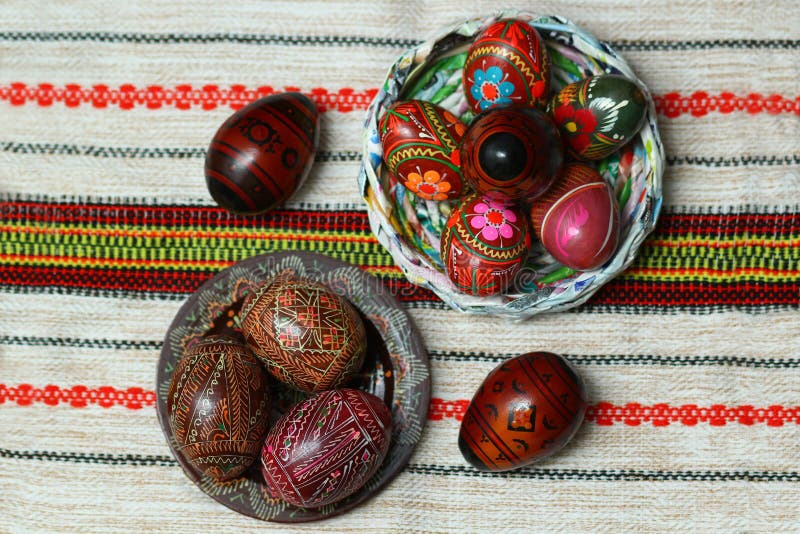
x: 484, y: 244
x: 526, y: 409
x: 263, y: 153
x: 420, y: 147
x: 218, y: 407
x: 515, y: 152
x: 598, y: 115
x: 507, y: 64
x: 325, y: 448
x: 577, y: 221
x: 306, y: 335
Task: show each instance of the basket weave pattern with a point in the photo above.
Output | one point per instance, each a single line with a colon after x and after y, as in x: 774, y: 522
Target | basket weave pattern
x: 409, y: 227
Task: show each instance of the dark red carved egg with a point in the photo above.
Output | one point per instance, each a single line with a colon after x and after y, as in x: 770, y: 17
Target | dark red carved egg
x: 526, y: 409
x: 577, y: 221
x: 515, y: 152
x: 420, y: 146
x: 305, y: 334
x: 218, y: 407
x: 484, y: 243
x: 263, y: 153
x: 325, y: 448
x: 507, y: 64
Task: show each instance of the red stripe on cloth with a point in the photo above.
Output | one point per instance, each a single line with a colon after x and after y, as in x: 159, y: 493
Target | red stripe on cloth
x: 634, y: 414
x: 77, y: 396
x: 679, y: 224
x: 158, y: 281
x: 617, y: 292
x: 184, y: 96
x: 345, y: 99
x: 621, y: 292
x: 193, y: 216
x: 603, y: 413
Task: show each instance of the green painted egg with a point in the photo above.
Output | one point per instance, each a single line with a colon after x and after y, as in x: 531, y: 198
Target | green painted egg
x: 598, y: 115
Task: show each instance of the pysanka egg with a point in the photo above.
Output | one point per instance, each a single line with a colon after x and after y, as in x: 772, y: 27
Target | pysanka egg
x: 515, y: 152
x: 306, y: 335
x: 507, y: 64
x: 325, y: 448
x: 218, y: 407
x: 484, y: 243
x: 577, y: 221
x: 526, y: 409
x: 263, y: 153
x: 599, y: 114
x: 420, y: 147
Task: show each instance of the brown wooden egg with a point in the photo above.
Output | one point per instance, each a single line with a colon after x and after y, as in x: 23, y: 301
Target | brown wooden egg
x: 218, y: 407
x: 307, y: 336
x: 325, y: 448
x: 514, y: 151
x: 526, y: 409
x: 263, y: 153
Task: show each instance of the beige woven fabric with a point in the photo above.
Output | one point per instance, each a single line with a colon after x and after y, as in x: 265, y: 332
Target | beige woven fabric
x: 54, y: 469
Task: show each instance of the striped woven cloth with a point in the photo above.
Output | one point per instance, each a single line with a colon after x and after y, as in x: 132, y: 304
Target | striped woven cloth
x: 692, y: 357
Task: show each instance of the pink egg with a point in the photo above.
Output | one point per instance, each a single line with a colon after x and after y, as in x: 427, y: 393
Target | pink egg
x: 577, y: 220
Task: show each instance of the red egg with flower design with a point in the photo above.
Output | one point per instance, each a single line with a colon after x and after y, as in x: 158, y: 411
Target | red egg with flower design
x: 420, y: 147
x: 598, y: 115
x: 484, y: 244
x: 507, y: 64
x: 577, y: 221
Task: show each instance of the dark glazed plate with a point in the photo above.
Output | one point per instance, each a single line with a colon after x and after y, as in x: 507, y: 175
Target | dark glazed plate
x: 396, y: 369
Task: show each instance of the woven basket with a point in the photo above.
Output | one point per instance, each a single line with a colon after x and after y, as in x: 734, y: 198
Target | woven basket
x: 410, y: 227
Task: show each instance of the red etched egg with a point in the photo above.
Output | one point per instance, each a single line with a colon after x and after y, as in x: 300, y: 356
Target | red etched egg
x: 526, y: 409
x: 420, y: 147
x: 218, y: 407
x: 507, y: 64
x: 263, y: 153
x: 514, y: 152
x: 484, y: 244
x: 577, y: 221
x: 305, y: 334
x: 325, y: 448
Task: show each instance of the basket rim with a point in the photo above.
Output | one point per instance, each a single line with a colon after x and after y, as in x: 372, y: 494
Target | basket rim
x: 418, y: 268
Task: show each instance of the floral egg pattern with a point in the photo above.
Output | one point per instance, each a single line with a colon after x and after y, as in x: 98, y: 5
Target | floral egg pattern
x: 420, y: 147
x: 598, y: 115
x: 507, y: 64
x: 484, y: 244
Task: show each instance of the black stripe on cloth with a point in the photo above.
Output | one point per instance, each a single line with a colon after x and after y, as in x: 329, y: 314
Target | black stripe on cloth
x: 210, y: 38
x: 446, y: 356
x: 631, y: 475
x: 630, y: 359
x: 61, y: 149
x: 81, y: 343
x: 156, y: 202
x: 357, y: 40
x: 593, y: 309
